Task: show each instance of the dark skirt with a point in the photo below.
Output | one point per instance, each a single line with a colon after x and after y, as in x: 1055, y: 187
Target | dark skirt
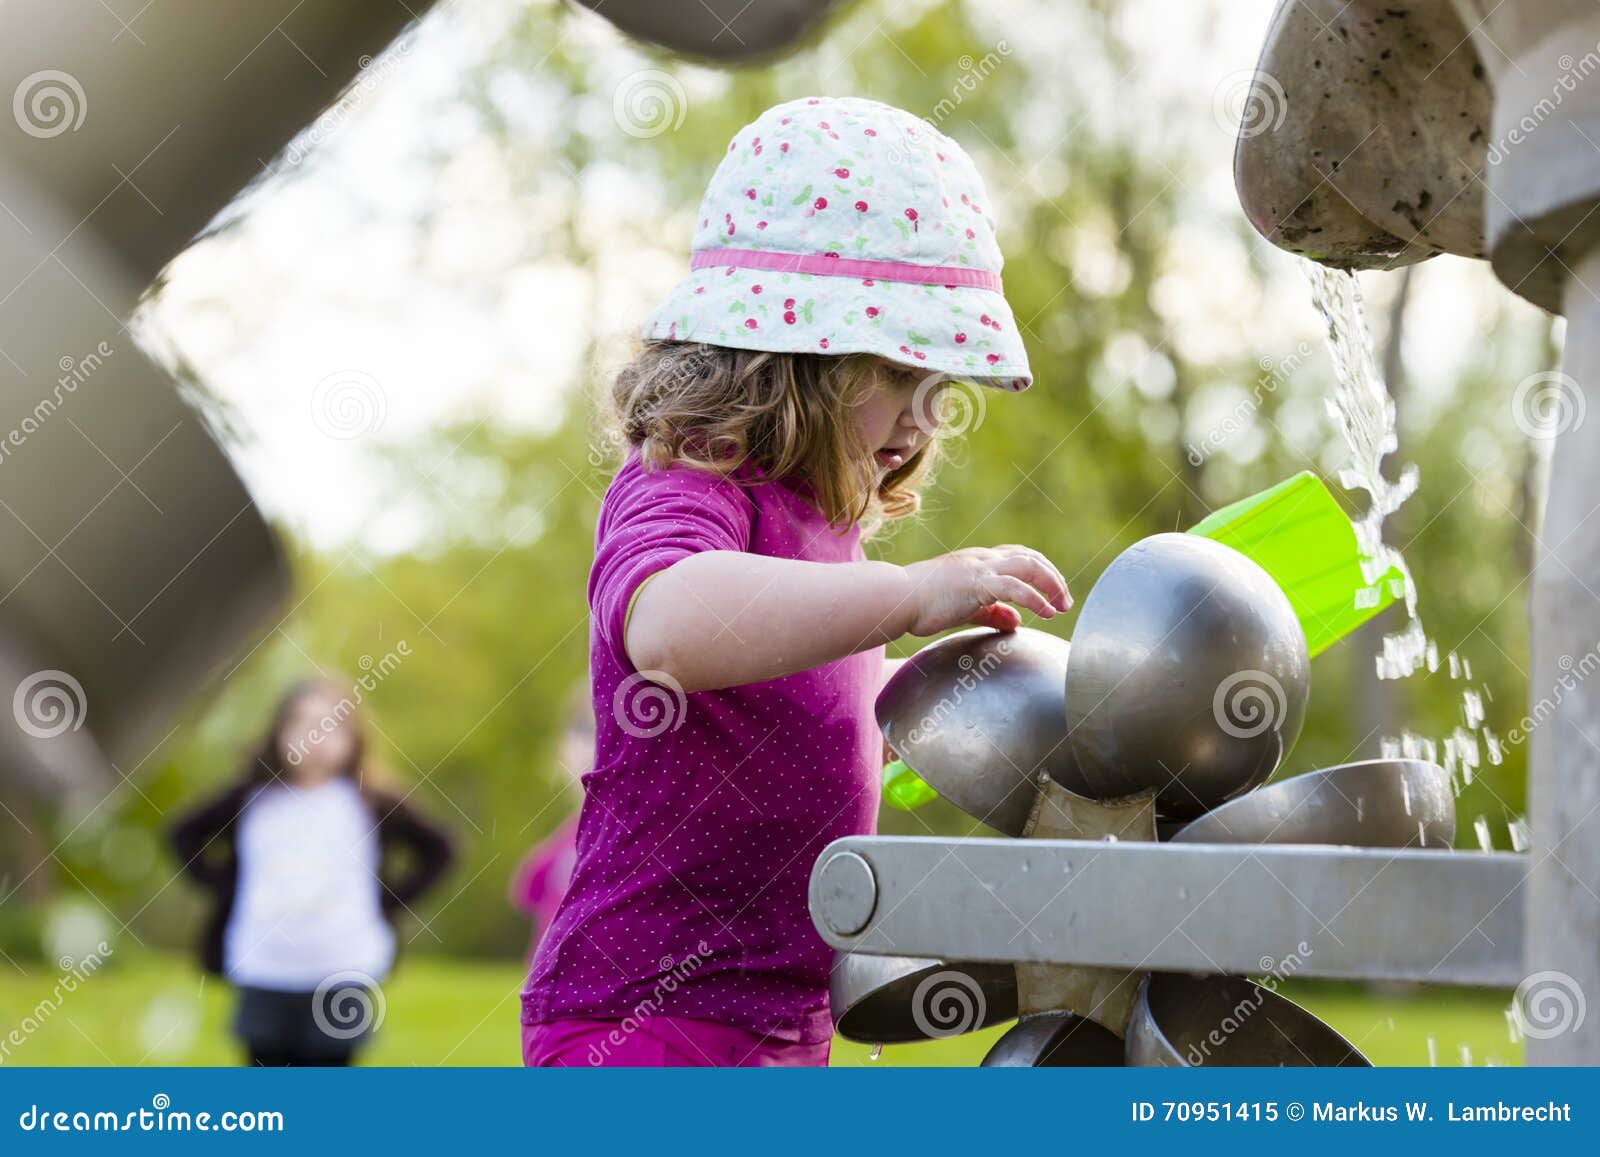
x: 310, y: 1026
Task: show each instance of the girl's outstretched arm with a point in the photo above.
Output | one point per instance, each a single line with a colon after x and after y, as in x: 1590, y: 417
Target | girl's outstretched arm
x: 725, y: 618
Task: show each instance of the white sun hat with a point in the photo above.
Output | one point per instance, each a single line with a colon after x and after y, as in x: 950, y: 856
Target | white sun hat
x: 839, y: 226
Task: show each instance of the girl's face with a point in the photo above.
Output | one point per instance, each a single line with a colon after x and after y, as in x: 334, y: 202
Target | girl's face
x: 898, y: 414
x: 318, y: 737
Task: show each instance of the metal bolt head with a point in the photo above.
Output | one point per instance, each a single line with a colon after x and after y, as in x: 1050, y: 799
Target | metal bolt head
x: 845, y: 893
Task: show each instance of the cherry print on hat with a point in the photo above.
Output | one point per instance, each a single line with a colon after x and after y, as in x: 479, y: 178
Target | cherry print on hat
x: 873, y: 221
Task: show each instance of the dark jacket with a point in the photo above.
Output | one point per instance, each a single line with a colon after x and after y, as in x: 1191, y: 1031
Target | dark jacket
x: 205, y: 841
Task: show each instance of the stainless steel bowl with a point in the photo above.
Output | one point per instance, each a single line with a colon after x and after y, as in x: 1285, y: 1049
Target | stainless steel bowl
x: 1380, y: 803
x: 1054, y: 1040
x: 1189, y: 676
x: 1185, y: 1021
x: 896, y: 999
x: 980, y: 715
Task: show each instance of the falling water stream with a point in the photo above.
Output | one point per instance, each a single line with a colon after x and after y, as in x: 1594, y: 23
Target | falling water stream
x: 1364, y: 413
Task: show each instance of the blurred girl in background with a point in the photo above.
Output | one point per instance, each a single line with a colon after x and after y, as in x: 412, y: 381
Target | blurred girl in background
x: 296, y: 856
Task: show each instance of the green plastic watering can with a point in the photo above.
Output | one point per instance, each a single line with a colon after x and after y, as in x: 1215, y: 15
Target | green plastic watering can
x: 1296, y: 532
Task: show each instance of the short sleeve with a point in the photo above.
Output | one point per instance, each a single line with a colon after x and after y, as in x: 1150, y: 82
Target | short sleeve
x: 649, y: 521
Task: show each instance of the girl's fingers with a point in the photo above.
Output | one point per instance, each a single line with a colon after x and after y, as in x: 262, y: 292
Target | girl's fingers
x: 1055, y: 589
x: 997, y: 615
x: 1038, y: 574
x: 1014, y: 590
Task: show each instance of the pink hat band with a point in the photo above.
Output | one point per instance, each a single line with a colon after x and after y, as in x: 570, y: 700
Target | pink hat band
x: 829, y: 264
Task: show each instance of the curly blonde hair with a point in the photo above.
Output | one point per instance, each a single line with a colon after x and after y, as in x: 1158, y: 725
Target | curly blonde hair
x: 718, y: 408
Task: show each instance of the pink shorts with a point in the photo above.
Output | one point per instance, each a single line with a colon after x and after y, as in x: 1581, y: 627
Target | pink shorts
x: 658, y: 1042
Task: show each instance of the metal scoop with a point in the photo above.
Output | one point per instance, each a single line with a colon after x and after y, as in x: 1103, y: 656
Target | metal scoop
x: 1379, y: 803
x: 898, y: 999
x: 981, y: 717
x: 1227, y: 1021
x: 1054, y: 1040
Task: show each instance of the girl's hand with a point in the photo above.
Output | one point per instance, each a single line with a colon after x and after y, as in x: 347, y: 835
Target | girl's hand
x: 976, y: 585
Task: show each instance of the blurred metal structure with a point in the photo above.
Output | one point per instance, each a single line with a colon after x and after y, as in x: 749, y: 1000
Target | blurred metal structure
x: 1470, y: 127
x: 132, y: 559
x: 721, y: 30
x: 1398, y: 914
x: 1364, y: 134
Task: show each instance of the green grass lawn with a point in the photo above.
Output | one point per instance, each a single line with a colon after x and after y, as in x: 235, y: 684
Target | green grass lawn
x: 153, y: 1009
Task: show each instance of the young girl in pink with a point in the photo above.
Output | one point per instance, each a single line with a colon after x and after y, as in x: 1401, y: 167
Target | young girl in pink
x: 784, y: 400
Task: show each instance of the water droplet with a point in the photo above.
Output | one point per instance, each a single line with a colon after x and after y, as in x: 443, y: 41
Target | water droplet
x: 1521, y: 837
x: 1485, y: 840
